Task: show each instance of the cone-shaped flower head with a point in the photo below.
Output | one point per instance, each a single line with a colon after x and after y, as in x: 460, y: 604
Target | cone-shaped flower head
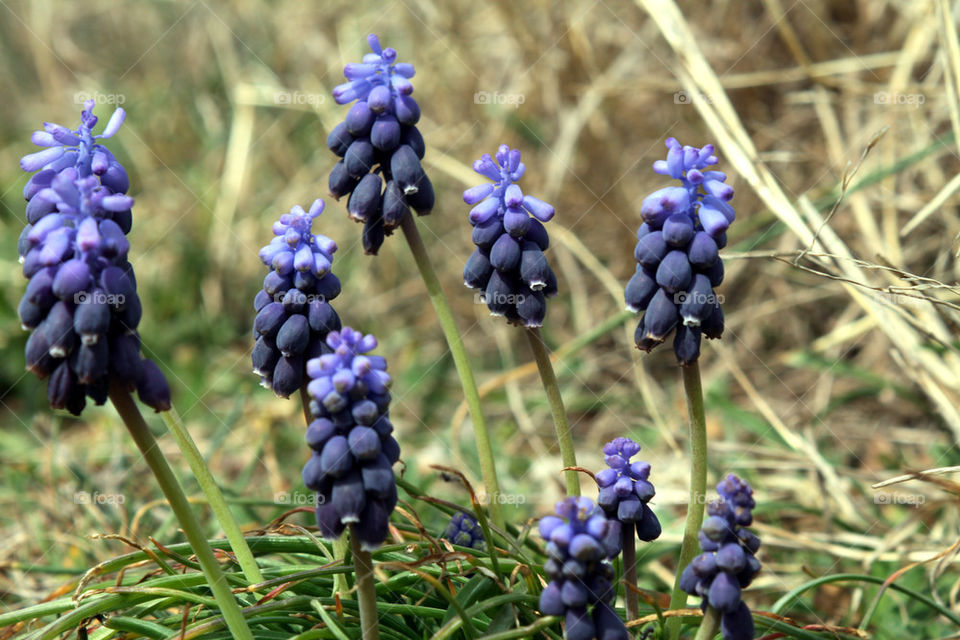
x: 508, y: 266
x: 580, y: 540
x: 294, y: 315
x: 625, y: 489
x: 464, y: 530
x: 353, y: 450
x: 728, y: 563
x: 81, y: 303
x: 379, y: 146
x: 678, y: 264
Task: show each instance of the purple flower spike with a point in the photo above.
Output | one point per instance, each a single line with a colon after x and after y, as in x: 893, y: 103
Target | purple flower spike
x: 380, y: 146
x: 294, y: 315
x: 81, y: 303
x: 465, y: 531
x: 354, y: 451
x: 728, y: 564
x: 580, y: 543
x: 625, y: 489
x: 678, y: 263
x: 509, y: 266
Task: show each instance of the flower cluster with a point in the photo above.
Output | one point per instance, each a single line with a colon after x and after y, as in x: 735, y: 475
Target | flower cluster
x: 728, y: 563
x: 625, y: 489
x: 508, y: 265
x: 353, y: 452
x: 81, y: 303
x: 294, y: 315
x: 678, y: 263
x: 464, y: 530
x: 580, y: 539
x: 380, y: 146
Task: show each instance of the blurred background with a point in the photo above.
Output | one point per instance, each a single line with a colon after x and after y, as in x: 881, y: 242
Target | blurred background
x: 839, y: 368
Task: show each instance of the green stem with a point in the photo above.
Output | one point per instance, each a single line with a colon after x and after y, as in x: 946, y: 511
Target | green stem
x: 564, y: 437
x: 214, y: 497
x: 366, y: 590
x: 698, y: 486
x: 305, y: 400
x: 709, y: 625
x: 488, y: 468
x: 630, y: 572
x: 181, y: 508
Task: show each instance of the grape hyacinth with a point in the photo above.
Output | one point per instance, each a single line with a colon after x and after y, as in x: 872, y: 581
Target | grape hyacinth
x: 351, y: 468
x: 81, y: 303
x: 379, y: 145
x: 678, y: 265
x: 580, y: 540
x: 625, y: 489
x: 728, y: 563
x: 508, y: 265
x: 294, y: 315
x: 464, y: 530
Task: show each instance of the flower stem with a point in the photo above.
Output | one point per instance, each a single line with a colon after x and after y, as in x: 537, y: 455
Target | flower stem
x: 630, y: 571
x: 698, y: 486
x: 366, y: 592
x: 488, y: 468
x: 564, y: 437
x: 214, y: 497
x: 181, y: 508
x: 709, y: 625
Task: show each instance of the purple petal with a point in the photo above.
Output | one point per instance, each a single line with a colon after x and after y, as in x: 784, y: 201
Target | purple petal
x: 114, y: 123
x: 404, y: 69
x: 36, y: 161
x: 374, y: 43
x: 486, y: 167
x: 354, y: 71
x: 117, y: 202
x: 513, y: 197
x: 473, y: 195
x: 661, y: 167
x: 484, y: 211
x: 538, y: 208
x: 43, y: 139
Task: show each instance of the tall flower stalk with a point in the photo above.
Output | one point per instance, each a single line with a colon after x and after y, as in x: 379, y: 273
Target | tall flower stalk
x: 510, y: 269
x: 678, y: 267
x: 82, y: 308
x: 380, y: 171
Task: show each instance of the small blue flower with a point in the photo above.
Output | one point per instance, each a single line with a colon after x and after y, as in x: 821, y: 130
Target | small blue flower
x: 728, y: 563
x: 677, y: 253
x: 81, y: 303
x: 380, y: 146
x: 294, y: 315
x: 580, y: 540
x: 465, y: 531
x: 509, y: 266
x: 625, y: 489
x: 353, y: 450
